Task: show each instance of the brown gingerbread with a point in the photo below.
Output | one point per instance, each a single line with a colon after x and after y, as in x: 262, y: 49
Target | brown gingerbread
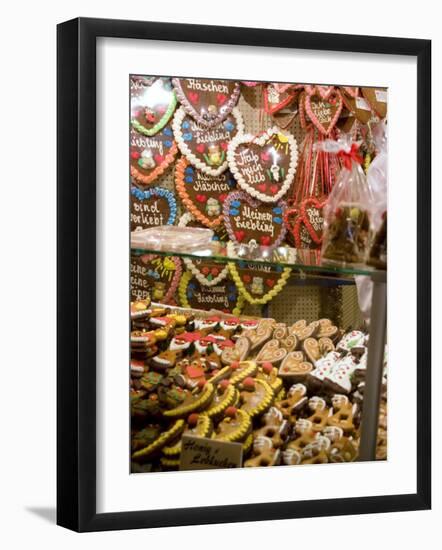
x: 320, y: 413
x: 343, y: 413
x: 293, y: 403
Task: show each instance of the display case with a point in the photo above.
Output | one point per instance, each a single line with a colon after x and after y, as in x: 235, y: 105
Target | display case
x: 245, y: 330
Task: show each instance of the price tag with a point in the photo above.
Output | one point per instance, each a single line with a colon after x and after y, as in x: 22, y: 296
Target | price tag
x: 381, y: 95
x: 361, y: 103
x: 201, y: 453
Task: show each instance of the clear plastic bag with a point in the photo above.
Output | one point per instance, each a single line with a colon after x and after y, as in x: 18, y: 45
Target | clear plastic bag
x: 377, y: 180
x: 348, y: 210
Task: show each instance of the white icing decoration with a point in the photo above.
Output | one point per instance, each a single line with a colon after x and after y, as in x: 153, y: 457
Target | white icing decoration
x: 185, y: 150
x: 250, y: 138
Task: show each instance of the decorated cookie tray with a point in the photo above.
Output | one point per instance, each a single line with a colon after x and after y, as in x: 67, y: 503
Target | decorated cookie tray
x: 289, y: 394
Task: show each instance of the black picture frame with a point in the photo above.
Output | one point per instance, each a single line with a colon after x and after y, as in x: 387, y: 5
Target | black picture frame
x: 76, y: 273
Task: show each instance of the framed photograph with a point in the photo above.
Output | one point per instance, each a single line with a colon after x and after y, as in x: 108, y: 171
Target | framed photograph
x: 233, y: 342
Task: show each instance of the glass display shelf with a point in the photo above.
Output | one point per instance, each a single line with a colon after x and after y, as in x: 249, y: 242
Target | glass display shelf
x: 303, y: 263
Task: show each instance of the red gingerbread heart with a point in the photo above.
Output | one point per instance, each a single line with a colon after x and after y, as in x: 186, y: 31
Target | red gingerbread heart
x: 201, y: 198
x: 200, y: 147
x: 270, y: 282
x: 265, y: 240
x: 221, y: 99
x: 240, y: 235
x: 312, y: 214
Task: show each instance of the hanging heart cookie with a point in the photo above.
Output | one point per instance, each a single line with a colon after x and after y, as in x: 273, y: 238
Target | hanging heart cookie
x: 377, y: 97
x: 276, y: 98
x: 152, y: 103
x: 202, y: 194
x: 303, y: 239
x: 205, y: 148
x: 207, y: 272
x: 154, y: 276
x: 207, y: 101
x: 250, y: 222
x: 151, y: 156
x: 151, y: 208
x: 358, y: 106
x: 223, y: 296
x: 189, y: 220
x: 312, y: 213
x: 258, y: 282
x: 264, y: 166
x: 323, y: 113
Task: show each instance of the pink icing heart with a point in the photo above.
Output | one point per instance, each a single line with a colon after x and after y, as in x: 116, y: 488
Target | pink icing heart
x: 224, y: 145
x: 221, y: 99
x: 200, y: 147
x: 262, y: 187
x: 265, y: 156
x: 158, y: 159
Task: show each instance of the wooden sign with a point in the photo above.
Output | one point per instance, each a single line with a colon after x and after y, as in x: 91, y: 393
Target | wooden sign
x: 201, y: 453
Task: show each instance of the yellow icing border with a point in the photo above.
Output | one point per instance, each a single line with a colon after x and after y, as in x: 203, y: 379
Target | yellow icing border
x: 243, y: 428
x: 200, y: 403
x: 161, y: 441
x: 229, y: 399
x: 248, y: 371
x: 185, y: 278
x: 267, y: 297
x: 266, y: 402
x: 204, y: 431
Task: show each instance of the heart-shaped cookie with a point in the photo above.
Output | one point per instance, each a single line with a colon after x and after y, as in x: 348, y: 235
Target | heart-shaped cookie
x: 238, y: 352
x: 205, y: 148
x: 271, y: 352
x: 207, y: 101
x: 154, y: 276
x: 189, y: 220
x: 259, y: 335
x: 223, y: 296
x: 248, y: 221
x: 152, y: 103
x: 151, y: 156
x: 264, y: 166
x: 358, y: 106
x: 312, y: 349
x: 151, y: 208
x: 323, y: 113
x: 258, y: 283
x: 202, y: 194
x: 207, y: 272
x: 303, y: 238
x: 312, y: 214
x: 276, y: 98
x: 377, y: 97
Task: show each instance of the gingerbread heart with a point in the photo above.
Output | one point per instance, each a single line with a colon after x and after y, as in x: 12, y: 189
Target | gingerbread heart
x: 237, y: 353
x: 258, y: 283
x: 277, y: 97
x: 223, y: 296
x: 261, y: 334
x: 264, y: 166
x: 323, y: 113
x: 151, y: 208
x: 358, y: 106
x: 207, y: 272
x: 271, y: 352
x: 377, y: 98
x: 154, y: 276
x: 312, y: 214
x: 202, y: 194
x: 152, y: 103
x: 207, y: 101
x: 249, y: 222
x: 303, y: 238
x: 188, y: 220
x: 205, y: 148
x: 151, y: 156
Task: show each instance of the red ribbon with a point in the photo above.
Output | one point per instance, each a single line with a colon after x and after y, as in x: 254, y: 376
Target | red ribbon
x: 353, y: 154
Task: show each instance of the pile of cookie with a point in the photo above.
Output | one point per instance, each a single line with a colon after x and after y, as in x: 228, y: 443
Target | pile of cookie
x: 288, y: 394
